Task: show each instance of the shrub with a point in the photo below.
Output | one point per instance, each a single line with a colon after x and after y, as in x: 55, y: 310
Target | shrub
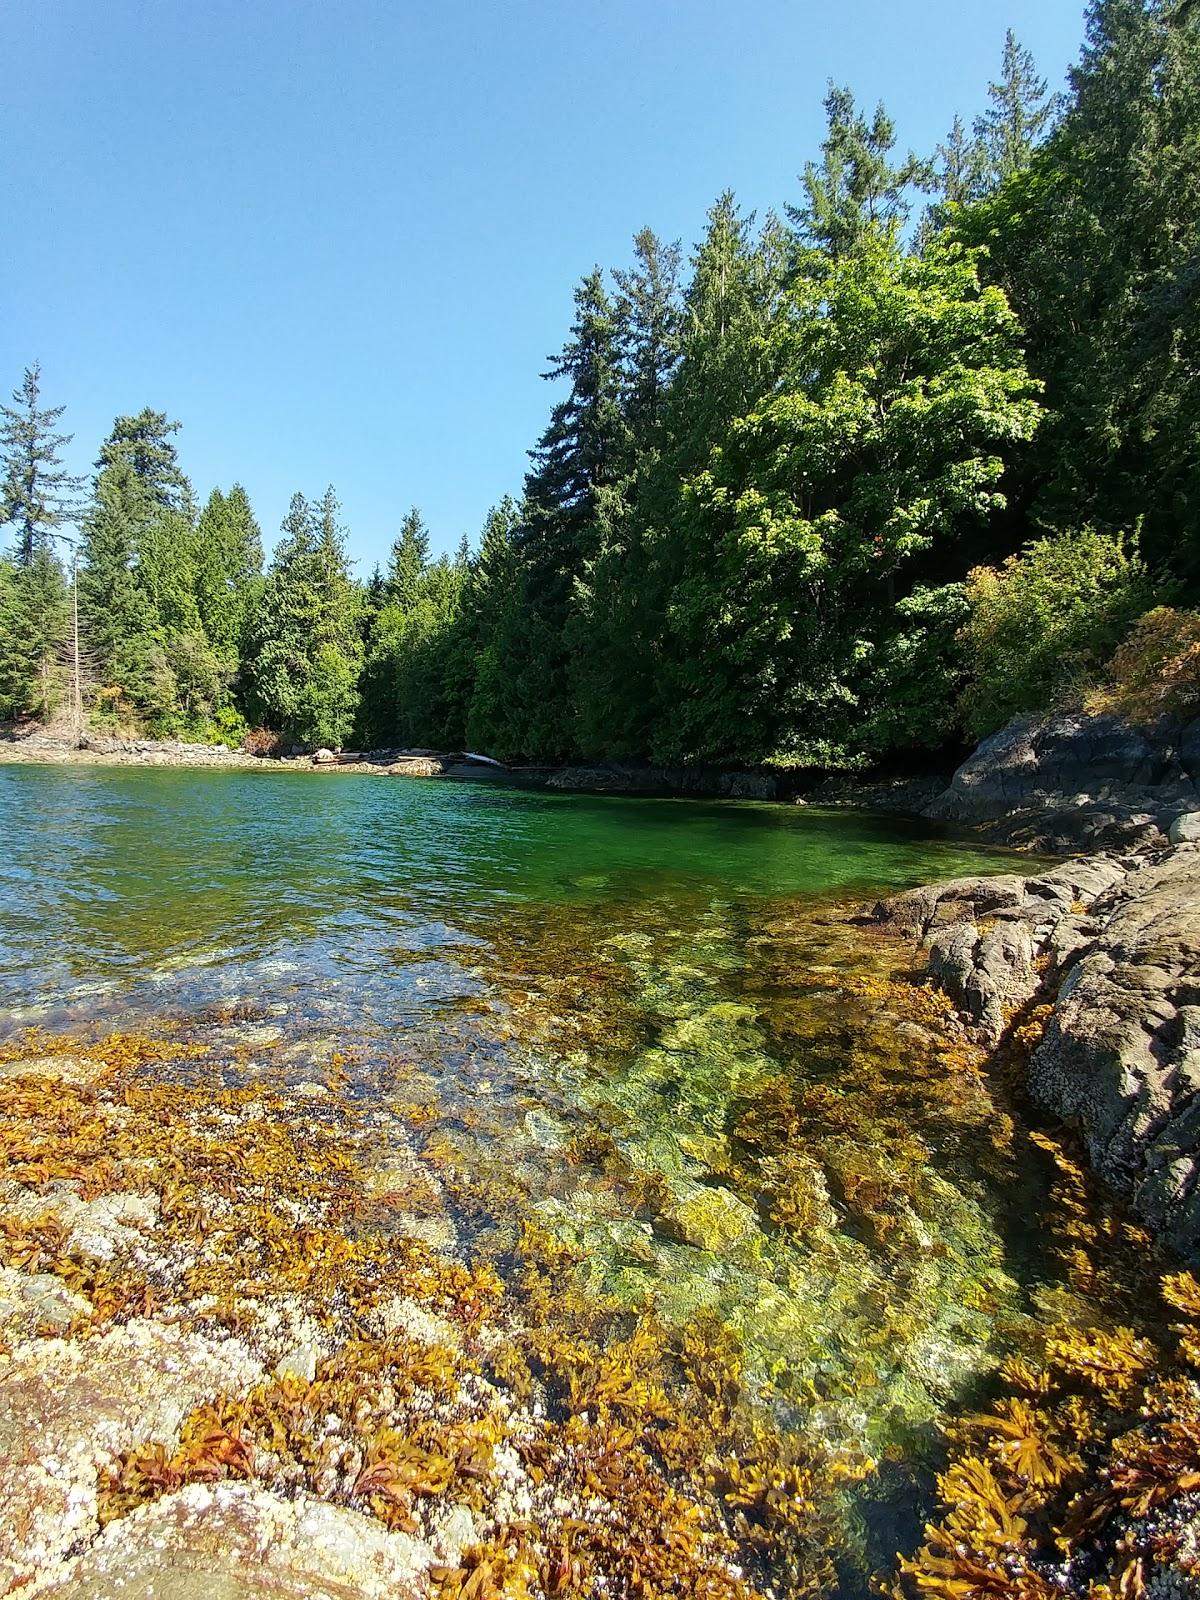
x: 262, y: 742
x: 228, y: 726
x: 1042, y: 626
x: 1156, y: 671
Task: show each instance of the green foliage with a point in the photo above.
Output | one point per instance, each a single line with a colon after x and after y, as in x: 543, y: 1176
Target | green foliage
x: 305, y: 650
x: 37, y: 494
x: 1155, y: 671
x: 1043, y: 625
x: 1095, y: 244
x: 34, y: 622
x: 856, y: 189
x: 901, y: 387
x: 228, y: 571
x: 116, y: 613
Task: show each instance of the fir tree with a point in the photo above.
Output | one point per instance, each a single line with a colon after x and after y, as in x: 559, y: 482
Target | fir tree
x: 1020, y: 116
x: 33, y: 632
x: 408, y: 561
x: 857, y: 188
x: 649, y: 315
x: 37, y: 493
x: 306, y: 650
x: 229, y: 561
x: 143, y: 443
x: 118, y: 619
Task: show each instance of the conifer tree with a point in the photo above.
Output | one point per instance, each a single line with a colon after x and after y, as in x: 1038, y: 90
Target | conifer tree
x: 117, y: 617
x: 649, y: 315
x: 306, y: 650
x: 857, y: 188
x: 1020, y: 116
x: 33, y: 632
x: 408, y: 561
x: 143, y: 443
x: 229, y: 561
x: 37, y: 493
x: 575, y: 498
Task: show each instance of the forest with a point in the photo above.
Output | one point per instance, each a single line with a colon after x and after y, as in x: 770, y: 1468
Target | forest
x: 853, y: 483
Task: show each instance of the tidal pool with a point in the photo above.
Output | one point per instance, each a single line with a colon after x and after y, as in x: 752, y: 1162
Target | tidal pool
x: 651, y: 1027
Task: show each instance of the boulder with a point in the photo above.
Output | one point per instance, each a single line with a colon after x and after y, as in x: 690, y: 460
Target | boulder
x: 1076, y: 781
x: 233, y: 1541
x: 1185, y: 829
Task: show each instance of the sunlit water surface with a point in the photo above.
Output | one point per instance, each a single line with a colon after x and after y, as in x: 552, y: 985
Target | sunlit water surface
x: 649, y: 1021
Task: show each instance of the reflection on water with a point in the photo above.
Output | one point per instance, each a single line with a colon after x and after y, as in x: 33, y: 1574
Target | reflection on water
x: 646, y: 1023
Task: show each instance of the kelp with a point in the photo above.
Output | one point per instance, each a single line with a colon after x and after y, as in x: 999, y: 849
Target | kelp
x: 642, y: 1462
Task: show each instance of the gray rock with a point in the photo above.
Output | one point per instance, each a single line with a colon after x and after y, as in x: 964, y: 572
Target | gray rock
x: 1185, y: 829
x: 1119, y: 1058
x: 1074, y: 781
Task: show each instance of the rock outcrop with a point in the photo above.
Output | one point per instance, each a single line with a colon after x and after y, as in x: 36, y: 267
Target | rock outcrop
x: 1077, y: 782
x: 1112, y: 946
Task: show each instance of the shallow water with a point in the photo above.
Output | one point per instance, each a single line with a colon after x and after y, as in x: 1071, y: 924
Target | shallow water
x: 648, y: 1024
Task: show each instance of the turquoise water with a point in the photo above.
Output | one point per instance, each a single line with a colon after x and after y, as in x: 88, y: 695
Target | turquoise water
x: 113, y: 879
x: 652, y: 1026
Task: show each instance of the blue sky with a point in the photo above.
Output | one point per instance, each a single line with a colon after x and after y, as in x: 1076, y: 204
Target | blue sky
x: 337, y: 241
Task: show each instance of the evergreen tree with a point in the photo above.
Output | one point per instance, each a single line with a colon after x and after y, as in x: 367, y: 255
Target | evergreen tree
x: 306, y: 650
x: 408, y: 561
x: 1020, y: 116
x: 229, y: 561
x: 857, y: 188
x: 144, y: 444
x: 116, y: 615
x: 37, y: 493
x: 649, y: 315
x: 1095, y: 245
x: 809, y: 533
x: 575, y: 499
x: 33, y: 630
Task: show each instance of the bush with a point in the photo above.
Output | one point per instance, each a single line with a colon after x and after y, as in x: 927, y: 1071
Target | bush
x: 1156, y: 671
x: 228, y: 726
x: 1042, y: 627
x: 262, y: 742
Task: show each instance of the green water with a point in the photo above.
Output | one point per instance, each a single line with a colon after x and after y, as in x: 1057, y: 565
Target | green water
x: 643, y: 1023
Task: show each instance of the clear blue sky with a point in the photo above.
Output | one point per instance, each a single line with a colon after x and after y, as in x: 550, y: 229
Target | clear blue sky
x: 338, y: 238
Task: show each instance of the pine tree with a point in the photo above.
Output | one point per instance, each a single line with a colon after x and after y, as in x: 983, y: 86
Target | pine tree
x: 37, y: 493
x: 856, y: 189
x: 1021, y: 114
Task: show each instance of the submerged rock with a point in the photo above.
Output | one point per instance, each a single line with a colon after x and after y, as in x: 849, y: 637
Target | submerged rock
x: 710, y: 1219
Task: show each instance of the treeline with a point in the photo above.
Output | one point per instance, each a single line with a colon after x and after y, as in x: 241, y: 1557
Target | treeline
x: 874, y: 474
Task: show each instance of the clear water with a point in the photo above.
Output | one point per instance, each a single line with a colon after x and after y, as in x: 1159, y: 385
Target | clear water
x: 650, y: 1024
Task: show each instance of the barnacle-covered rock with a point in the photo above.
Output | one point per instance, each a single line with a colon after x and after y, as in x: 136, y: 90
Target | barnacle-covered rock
x: 239, y: 1542
x: 68, y: 1405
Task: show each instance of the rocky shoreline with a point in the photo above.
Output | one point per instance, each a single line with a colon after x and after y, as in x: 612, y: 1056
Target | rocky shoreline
x: 1099, y: 960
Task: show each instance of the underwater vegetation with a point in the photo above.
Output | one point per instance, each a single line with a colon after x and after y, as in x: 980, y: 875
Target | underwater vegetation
x: 592, y: 1448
